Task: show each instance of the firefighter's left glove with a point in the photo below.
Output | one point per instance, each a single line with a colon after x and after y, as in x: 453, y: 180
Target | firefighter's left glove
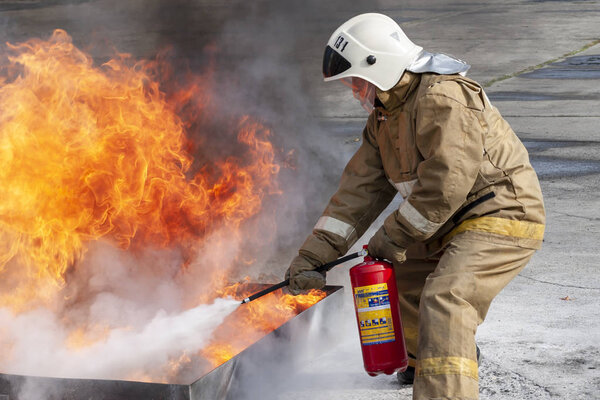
x: 302, y: 275
x: 381, y: 246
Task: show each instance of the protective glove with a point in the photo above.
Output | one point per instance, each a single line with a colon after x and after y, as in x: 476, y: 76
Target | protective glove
x: 302, y: 275
x: 381, y: 246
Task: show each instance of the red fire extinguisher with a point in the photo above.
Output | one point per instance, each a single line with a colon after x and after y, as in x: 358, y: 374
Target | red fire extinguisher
x: 378, y: 317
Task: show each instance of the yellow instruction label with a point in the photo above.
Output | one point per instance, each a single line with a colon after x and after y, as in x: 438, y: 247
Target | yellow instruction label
x: 374, y: 314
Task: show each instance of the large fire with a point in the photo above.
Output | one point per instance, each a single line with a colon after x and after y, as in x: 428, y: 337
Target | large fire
x: 103, y: 153
x: 97, y: 152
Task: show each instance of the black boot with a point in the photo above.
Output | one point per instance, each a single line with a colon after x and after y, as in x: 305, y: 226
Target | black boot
x: 408, y: 377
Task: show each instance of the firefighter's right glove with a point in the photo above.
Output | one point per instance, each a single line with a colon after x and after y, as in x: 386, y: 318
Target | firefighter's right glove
x: 302, y: 275
x: 381, y: 246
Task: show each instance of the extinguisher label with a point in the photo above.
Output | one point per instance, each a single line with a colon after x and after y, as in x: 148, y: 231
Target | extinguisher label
x: 374, y: 314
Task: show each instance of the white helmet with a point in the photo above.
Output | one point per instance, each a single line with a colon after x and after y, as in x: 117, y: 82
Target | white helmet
x: 369, y: 46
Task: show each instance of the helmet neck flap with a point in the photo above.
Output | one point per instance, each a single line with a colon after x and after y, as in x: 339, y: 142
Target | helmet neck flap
x: 438, y: 63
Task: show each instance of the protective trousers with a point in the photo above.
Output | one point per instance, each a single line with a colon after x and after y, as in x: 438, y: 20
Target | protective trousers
x: 443, y: 302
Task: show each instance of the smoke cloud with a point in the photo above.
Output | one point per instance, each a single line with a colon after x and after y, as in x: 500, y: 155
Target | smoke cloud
x: 124, y: 353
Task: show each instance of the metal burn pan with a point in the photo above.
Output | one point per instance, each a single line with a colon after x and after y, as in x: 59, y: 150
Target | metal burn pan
x: 255, y: 372
x: 277, y: 354
x: 20, y: 387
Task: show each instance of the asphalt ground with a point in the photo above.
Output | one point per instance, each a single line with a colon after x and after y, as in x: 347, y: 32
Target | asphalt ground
x: 540, y: 63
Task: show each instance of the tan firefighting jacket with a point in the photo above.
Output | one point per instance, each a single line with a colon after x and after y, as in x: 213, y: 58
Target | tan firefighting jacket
x: 458, y: 165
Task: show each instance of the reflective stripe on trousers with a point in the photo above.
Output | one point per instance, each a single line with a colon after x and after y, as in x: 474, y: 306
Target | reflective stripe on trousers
x: 499, y: 226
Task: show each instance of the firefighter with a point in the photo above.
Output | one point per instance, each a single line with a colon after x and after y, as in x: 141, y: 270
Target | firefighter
x: 472, y: 213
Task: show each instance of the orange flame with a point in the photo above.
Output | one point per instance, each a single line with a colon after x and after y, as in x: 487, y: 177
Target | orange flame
x: 104, y: 153
x: 90, y: 152
x: 253, y: 320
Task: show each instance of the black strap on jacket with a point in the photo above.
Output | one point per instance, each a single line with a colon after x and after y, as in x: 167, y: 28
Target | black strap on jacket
x: 472, y: 205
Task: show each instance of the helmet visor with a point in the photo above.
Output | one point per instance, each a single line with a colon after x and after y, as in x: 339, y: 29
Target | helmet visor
x: 363, y: 91
x: 334, y: 63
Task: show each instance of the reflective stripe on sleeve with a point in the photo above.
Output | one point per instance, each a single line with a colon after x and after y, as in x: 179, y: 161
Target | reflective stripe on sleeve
x: 500, y: 226
x: 405, y: 188
x: 418, y: 221
x: 447, y: 366
x: 335, y: 226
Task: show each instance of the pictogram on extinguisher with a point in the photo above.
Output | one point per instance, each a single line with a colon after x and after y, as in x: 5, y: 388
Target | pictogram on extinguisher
x: 378, y: 317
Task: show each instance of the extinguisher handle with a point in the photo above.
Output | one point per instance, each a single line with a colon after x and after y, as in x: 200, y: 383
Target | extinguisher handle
x: 322, y: 268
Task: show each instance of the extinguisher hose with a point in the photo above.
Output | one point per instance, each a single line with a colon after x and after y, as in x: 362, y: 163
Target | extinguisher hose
x: 322, y: 268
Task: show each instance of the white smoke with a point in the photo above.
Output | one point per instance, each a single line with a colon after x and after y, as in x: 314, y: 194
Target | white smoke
x: 38, y: 342
x: 137, y: 313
